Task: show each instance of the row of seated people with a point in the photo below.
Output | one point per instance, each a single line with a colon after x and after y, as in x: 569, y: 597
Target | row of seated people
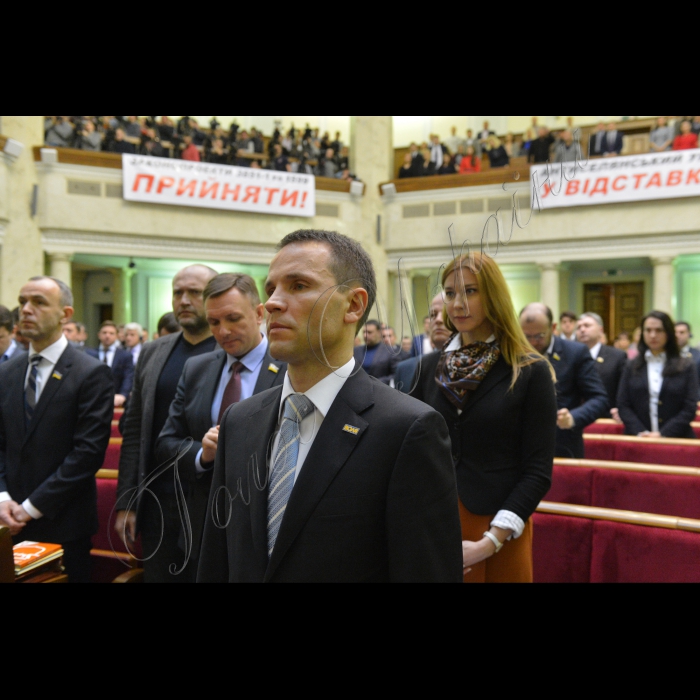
x: 296, y: 150
x: 457, y: 155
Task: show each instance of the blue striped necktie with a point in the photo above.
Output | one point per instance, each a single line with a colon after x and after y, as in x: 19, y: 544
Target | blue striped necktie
x: 297, y: 407
x: 30, y: 391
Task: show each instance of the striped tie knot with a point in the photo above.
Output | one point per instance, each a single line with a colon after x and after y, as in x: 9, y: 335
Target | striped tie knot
x: 297, y: 407
x: 30, y: 391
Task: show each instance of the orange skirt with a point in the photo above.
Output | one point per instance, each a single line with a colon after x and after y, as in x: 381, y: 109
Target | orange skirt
x: 513, y: 564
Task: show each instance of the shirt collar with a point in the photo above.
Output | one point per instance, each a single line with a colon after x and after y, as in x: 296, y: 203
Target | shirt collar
x: 11, y: 348
x: 324, y: 392
x: 252, y: 359
x: 53, y: 352
x: 595, y: 350
x: 111, y: 348
x: 456, y: 342
x: 550, y: 349
x: 650, y: 357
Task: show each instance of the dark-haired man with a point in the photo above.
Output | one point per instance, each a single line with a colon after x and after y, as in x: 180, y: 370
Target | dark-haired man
x: 8, y: 346
x: 240, y: 368
x: 361, y: 485
x: 55, y: 416
x: 567, y: 325
x: 375, y: 356
x: 683, y: 336
x: 118, y: 360
x: 581, y: 396
x: 155, y: 383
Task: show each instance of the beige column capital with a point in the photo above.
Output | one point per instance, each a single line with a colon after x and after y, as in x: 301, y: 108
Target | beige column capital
x: 61, y: 268
x: 664, y: 284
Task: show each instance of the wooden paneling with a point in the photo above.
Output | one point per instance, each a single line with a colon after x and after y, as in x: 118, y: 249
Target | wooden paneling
x: 621, y: 305
x: 100, y: 159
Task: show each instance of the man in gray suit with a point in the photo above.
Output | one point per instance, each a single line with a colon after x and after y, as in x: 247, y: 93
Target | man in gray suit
x: 240, y: 368
x: 155, y: 383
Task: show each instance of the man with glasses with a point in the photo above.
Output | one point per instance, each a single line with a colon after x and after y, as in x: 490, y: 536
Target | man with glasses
x: 581, y: 395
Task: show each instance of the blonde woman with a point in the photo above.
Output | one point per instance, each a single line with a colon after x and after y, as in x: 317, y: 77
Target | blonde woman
x: 497, y: 397
x: 498, y: 157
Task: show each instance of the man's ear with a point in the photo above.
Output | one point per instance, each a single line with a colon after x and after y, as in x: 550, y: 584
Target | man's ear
x: 68, y: 312
x: 554, y: 327
x: 357, y: 305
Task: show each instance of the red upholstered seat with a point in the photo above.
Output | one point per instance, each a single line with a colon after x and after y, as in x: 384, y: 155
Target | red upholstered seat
x: 561, y: 548
x: 625, y: 553
x: 599, y: 449
x: 571, y: 485
x: 647, y: 492
x: 687, y: 455
x: 605, y: 428
x: 111, y: 460
x: 115, y: 429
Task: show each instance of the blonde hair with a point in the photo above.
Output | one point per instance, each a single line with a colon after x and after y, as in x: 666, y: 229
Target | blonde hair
x: 499, y: 310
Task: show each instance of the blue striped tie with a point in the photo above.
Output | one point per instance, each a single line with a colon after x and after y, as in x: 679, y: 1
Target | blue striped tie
x: 30, y: 391
x: 296, y: 408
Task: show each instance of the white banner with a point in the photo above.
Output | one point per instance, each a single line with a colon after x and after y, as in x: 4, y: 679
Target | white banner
x: 624, y: 179
x: 188, y: 184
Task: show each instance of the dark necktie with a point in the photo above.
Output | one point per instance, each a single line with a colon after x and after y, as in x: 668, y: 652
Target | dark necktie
x: 232, y: 392
x: 30, y: 391
x: 104, y: 358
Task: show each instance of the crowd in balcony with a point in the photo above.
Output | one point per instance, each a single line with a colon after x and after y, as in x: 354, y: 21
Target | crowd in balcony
x: 296, y: 150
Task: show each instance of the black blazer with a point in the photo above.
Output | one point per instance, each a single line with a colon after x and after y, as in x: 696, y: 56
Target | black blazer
x: 580, y: 389
x: 610, y: 364
x: 503, y: 442
x: 190, y: 416
x: 53, y: 460
x: 122, y: 370
x: 378, y: 505
x: 383, y: 364
x: 695, y: 355
x: 677, y: 401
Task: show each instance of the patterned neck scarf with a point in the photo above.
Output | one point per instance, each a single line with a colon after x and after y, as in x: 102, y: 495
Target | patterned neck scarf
x: 461, y: 371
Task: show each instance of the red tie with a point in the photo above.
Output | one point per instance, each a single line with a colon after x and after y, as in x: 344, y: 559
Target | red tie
x: 232, y: 392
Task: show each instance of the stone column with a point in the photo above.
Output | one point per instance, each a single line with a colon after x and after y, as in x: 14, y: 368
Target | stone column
x: 22, y: 254
x: 549, y: 287
x: 664, y: 278
x: 372, y: 160
x: 61, y: 268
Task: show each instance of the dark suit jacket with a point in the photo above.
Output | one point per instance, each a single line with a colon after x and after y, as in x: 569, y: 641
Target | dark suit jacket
x: 677, y: 401
x: 417, y: 348
x: 122, y: 370
x: 616, y: 146
x: 379, y: 505
x: 384, y: 363
x: 190, y: 416
x: 610, y: 365
x: 503, y: 442
x: 695, y: 354
x: 403, y: 376
x: 53, y: 460
x: 580, y: 389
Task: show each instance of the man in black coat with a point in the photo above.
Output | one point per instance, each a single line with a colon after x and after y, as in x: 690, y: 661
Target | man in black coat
x: 118, y: 360
x: 56, y: 407
x: 360, y: 485
x: 581, y: 396
x: 683, y: 336
x: 240, y: 368
x: 376, y: 357
x: 610, y: 362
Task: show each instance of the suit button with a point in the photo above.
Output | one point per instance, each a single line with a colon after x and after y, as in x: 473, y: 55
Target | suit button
x: 661, y: 420
x: 661, y: 403
x: 455, y: 458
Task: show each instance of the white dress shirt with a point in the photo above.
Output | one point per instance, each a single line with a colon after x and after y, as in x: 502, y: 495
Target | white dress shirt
x: 110, y: 353
x: 252, y: 364
x: 11, y: 350
x: 135, y: 352
x: 655, y: 368
x: 505, y: 519
x: 49, y: 357
x: 427, y: 344
x: 322, y: 395
x: 595, y: 350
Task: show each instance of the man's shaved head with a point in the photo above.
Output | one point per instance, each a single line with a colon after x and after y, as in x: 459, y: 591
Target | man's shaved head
x: 532, y: 311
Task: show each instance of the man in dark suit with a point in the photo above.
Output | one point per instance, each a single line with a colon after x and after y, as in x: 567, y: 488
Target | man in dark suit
x: 155, y: 384
x: 8, y: 346
x: 389, y: 338
x: 421, y: 343
x: 56, y: 407
x: 361, y: 485
x: 375, y: 356
x: 118, y: 360
x: 240, y: 368
x: 581, y: 396
x: 612, y: 142
x: 683, y: 336
x: 610, y: 362
x: 438, y: 335
x: 596, y: 139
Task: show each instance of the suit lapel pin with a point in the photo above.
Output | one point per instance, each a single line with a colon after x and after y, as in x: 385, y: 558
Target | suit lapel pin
x: 600, y: 359
x: 556, y: 357
x: 273, y: 368
x: 351, y: 429
x: 57, y: 375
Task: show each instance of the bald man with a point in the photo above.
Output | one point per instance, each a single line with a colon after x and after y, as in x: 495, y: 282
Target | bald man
x: 155, y: 384
x: 581, y: 395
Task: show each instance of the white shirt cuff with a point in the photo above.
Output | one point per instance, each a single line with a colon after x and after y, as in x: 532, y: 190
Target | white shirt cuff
x: 4, y: 496
x: 507, y: 520
x: 198, y: 463
x: 36, y: 514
